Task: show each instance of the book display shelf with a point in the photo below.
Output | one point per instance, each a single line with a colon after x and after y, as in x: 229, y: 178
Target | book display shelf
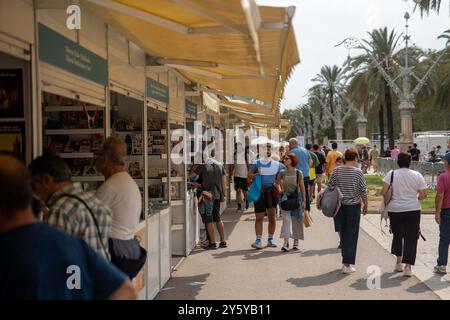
x: 75, y: 131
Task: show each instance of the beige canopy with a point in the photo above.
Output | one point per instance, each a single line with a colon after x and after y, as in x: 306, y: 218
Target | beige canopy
x: 232, y: 47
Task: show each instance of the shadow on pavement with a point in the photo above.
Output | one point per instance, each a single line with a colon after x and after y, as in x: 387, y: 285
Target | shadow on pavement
x: 435, y: 281
x: 253, y: 254
x: 321, y: 252
x: 316, y: 281
x: 183, y: 288
x: 388, y: 280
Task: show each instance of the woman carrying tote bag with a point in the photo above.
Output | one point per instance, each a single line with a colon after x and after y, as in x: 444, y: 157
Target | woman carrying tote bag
x: 352, y: 184
x: 293, y: 202
x: 407, y: 187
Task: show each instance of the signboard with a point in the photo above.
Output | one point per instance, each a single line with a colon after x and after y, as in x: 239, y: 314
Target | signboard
x: 63, y: 53
x: 157, y: 91
x: 191, y: 109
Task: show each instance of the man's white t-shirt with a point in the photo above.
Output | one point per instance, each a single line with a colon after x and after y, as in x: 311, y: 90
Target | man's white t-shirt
x: 121, y: 194
x: 406, y: 185
x: 241, y: 170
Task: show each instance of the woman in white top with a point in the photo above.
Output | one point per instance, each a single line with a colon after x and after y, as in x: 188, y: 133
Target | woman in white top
x: 404, y: 208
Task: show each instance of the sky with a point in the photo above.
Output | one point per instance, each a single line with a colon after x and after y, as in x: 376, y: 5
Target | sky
x: 321, y: 24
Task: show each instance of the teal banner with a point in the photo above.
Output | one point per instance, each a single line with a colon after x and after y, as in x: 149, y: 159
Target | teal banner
x: 191, y: 108
x: 209, y: 120
x: 63, y: 53
x: 157, y: 91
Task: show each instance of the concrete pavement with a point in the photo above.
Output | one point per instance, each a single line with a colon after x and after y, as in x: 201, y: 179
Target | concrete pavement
x: 240, y: 272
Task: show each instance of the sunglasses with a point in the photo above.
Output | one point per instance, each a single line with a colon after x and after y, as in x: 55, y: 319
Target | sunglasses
x: 286, y: 158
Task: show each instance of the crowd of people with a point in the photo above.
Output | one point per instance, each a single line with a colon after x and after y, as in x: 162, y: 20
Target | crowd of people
x: 297, y: 173
x: 49, y: 225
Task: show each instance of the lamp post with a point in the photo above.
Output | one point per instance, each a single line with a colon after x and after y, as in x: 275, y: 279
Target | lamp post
x: 406, y: 95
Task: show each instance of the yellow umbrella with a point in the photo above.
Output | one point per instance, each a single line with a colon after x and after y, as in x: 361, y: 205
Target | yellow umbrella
x: 361, y: 140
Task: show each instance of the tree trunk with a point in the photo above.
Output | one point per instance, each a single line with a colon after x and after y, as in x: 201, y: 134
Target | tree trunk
x: 381, y: 128
x: 389, y: 116
x: 333, y: 131
x: 313, y: 134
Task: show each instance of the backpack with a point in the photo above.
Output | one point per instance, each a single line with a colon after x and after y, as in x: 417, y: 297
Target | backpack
x: 329, y: 201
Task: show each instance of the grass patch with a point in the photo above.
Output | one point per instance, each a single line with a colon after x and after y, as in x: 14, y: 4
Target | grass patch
x: 375, y: 184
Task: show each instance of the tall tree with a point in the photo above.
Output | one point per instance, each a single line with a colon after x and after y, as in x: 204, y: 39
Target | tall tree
x: 425, y: 6
x: 383, y: 47
x: 331, y: 81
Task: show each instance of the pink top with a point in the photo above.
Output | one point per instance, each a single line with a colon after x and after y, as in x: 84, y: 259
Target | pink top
x: 395, y: 153
x: 443, y: 186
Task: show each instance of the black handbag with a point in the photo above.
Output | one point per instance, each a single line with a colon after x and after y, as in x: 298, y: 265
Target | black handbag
x: 130, y: 267
x: 292, y: 202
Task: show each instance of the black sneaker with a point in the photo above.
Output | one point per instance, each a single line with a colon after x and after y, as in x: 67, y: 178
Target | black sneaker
x: 211, y: 246
x: 223, y: 244
x: 246, y: 204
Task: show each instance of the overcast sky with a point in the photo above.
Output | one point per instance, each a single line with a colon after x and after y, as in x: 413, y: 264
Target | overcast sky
x: 321, y: 24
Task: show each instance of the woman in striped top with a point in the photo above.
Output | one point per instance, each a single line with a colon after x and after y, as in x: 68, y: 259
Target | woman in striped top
x: 353, y: 186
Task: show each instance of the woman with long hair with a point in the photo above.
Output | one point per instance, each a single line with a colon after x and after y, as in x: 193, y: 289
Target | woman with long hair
x: 290, y: 181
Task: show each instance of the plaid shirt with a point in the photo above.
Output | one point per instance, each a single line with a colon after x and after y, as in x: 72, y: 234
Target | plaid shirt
x: 72, y: 216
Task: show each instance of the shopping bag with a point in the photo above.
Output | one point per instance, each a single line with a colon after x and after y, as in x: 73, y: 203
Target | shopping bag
x: 223, y: 207
x: 307, y: 219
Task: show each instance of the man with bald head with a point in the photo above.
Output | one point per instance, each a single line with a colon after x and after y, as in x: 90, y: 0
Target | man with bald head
x: 39, y: 260
x: 121, y: 194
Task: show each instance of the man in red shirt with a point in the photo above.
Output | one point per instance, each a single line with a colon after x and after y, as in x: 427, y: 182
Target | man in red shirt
x: 442, y: 216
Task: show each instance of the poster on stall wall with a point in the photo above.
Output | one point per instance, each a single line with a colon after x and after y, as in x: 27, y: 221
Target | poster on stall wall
x: 11, y: 93
x: 12, y: 138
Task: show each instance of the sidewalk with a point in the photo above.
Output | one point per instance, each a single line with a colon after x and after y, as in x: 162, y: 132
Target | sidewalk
x: 426, y: 250
x: 240, y: 272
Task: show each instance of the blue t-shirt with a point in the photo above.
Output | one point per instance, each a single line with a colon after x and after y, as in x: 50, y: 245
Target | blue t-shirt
x: 269, y: 171
x: 303, y: 160
x: 35, y: 265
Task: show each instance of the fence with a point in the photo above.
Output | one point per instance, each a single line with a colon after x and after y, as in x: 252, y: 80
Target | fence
x: 429, y: 170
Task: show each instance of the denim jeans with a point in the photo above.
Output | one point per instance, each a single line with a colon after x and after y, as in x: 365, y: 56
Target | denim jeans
x: 444, y: 237
x: 306, y: 183
x: 348, y: 219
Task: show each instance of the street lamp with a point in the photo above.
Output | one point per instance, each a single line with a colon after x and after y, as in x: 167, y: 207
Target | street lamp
x: 405, y: 95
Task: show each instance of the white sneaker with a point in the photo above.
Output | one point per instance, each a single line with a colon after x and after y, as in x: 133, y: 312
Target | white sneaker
x: 408, y: 273
x: 348, y: 270
x: 398, y: 267
x: 440, y: 269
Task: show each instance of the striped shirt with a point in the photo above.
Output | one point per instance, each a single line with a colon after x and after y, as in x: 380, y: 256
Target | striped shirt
x: 351, y: 182
x: 72, y: 216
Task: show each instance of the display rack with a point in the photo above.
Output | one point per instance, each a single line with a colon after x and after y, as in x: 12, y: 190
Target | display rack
x: 157, y: 158
x: 75, y: 131
x: 127, y: 122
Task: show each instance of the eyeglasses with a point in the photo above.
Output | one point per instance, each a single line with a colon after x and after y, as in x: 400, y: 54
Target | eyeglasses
x: 286, y: 158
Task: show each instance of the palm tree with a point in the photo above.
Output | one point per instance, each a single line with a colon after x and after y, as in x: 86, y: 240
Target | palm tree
x: 364, y: 90
x: 425, y: 6
x: 438, y: 88
x: 331, y: 81
x: 382, y: 46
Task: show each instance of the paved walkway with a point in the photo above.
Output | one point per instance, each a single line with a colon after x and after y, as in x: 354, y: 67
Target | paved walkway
x: 240, y: 272
x: 426, y: 251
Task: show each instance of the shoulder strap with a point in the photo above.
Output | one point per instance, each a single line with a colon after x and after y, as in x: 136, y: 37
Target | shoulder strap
x: 92, y: 215
x: 392, y: 176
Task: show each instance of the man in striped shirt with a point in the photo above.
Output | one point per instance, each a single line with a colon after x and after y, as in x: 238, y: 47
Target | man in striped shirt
x: 70, y: 208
